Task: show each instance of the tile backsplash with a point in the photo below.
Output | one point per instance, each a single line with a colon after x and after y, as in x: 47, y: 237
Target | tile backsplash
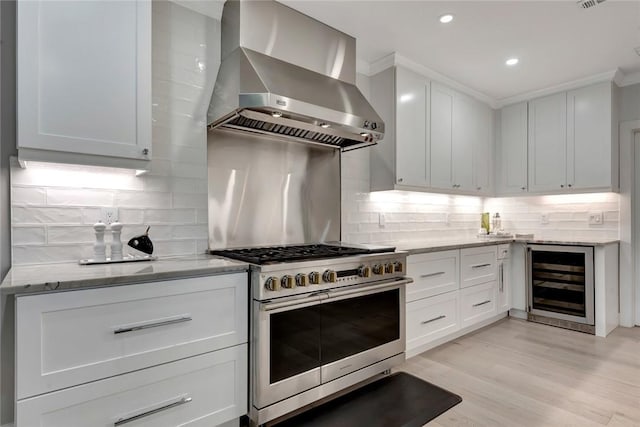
x: 53, y: 206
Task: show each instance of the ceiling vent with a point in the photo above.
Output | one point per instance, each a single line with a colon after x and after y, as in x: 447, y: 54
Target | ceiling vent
x: 586, y: 4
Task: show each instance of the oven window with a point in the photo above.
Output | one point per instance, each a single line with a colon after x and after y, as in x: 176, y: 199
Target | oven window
x: 354, y: 325
x: 295, y: 342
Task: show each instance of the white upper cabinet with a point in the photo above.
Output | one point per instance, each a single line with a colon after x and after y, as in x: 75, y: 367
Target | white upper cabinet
x: 84, y: 81
x: 547, y: 143
x: 483, y: 151
x: 412, y: 95
x: 441, y: 157
x: 465, y: 133
x: 592, y: 155
x: 512, y: 150
x: 573, y: 144
x: 400, y: 160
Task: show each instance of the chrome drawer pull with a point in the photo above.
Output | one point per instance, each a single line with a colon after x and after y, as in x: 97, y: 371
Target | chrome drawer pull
x: 482, y: 303
x: 480, y: 265
x: 424, y: 322
x: 439, y: 273
x: 124, y: 329
x: 127, y: 420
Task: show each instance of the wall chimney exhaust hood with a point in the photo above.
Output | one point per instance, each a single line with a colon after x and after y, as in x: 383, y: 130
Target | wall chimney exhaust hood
x: 288, y: 75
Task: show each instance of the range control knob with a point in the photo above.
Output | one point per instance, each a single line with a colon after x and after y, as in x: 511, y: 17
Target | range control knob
x: 389, y: 268
x: 364, y: 271
x: 272, y: 284
x: 330, y: 276
x: 398, y: 265
x: 288, y: 282
x: 378, y: 269
x: 301, y: 280
x: 314, y: 278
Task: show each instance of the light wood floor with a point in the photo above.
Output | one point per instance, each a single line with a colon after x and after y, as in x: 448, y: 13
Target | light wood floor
x: 517, y: 373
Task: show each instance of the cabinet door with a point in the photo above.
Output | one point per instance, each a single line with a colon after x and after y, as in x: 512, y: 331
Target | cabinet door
x: 84, y: 82
x: 412, y: 92
x: 504, y: 294
x: 483, y: 150
x: 512, y: 154
x: 477, y: 303
x: 547, y: 143
x: 589, y: 137
x: 205, y: 390
x: 433, y: 273
x: 464, y: 133
x: 441, y: 157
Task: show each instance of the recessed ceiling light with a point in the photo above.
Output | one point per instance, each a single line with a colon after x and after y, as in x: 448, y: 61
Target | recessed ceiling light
x: 445, y: 19
x: 512, y: 61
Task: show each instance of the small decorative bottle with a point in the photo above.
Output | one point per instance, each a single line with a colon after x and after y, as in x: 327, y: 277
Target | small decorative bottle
x: 99, y: 247
x: 116, y: 243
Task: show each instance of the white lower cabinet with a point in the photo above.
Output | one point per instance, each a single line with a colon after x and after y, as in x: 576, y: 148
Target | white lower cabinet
x: 163, y: 353
x: 432, y: 318
x: 455, y: 292
x: 477, y: 303
x: 199, y: 391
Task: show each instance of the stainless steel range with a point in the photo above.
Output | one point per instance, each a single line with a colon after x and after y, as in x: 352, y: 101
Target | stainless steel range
x: 323, y: 318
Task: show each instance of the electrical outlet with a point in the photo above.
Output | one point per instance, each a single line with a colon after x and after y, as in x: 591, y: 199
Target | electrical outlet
x: 109, y: 215
x: 596, y: 218
x: 381, y: 220
x: 544, y: 219
x: 447, y: 219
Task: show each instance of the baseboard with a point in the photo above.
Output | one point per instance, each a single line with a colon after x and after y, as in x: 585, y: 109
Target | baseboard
x: 518, y: 314
x: 435, y: 343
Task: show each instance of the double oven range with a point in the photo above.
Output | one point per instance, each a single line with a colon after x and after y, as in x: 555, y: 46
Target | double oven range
x: 324, y: 317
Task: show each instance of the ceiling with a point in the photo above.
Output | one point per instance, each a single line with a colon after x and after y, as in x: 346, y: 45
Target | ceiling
x: 556, y: 41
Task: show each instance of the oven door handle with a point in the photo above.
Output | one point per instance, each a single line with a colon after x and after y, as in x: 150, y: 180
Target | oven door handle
x: 369, y: 289
x: 304, y: 301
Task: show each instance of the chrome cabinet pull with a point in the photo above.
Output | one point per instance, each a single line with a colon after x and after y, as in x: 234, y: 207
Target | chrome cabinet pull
x: 424, y: 322
x: 501, y: 277
x: 124, y: 329
x: 178, y: 402
x: 424, y: 276
x: 480, y: 265
x: 482, y: 303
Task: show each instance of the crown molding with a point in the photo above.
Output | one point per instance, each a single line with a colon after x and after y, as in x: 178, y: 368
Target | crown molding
x: 616, y: 76
x: 363, y: 67
x: 395, y: 59
x: 629, y: 79
x: 609, y: 76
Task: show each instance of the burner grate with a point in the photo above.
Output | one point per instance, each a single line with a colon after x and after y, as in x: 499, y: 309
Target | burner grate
x: 278, y: 254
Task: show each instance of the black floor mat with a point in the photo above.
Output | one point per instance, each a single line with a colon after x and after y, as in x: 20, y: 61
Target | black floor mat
x: 398, y: 400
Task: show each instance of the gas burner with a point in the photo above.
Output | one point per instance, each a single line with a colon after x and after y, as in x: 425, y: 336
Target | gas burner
x: 282, y: 254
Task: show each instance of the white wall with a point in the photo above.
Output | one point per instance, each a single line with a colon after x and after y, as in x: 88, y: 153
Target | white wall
x: 53, y: 206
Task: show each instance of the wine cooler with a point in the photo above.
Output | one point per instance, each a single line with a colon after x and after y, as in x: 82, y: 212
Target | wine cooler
x: 561, y: 286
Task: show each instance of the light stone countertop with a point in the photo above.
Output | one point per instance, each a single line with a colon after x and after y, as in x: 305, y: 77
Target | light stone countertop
x: 66, y: 276
x: 414, y: 248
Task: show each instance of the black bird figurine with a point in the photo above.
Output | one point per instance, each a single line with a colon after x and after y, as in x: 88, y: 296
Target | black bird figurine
x: 142, y: 243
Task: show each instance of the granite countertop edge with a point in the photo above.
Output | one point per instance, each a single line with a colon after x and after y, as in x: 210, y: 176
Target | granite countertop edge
x: 414, y: 249
x: 30, y: 279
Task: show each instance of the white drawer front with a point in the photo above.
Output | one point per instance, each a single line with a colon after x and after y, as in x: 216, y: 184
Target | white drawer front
x: 431, y: 318
x: 433, y: 274
x: 478, y: 265
x: 477, y: 303
x: 205, y: 390
x: 504, y: 251
x: 69, y: 338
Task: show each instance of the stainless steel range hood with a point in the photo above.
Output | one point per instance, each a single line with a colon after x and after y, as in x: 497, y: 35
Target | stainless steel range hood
x: 286, y: 74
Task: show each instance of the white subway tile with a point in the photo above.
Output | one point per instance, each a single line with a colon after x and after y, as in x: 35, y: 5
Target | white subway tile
x: 28, y: 236
x: 202, y: 216
x: 182, y: 200
x: 50, y: 254
x: 190, y: 232
x: 79, y: 197
x: 91, y: 215
x: 40, y: 215
x: 139, y: 199
x: 131, y: 216
x: 72, y: 234
x: 169, y: 216
x: 28, y: 196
